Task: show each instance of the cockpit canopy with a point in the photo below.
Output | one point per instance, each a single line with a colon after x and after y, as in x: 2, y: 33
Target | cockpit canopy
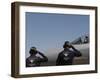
x: 81, y: 40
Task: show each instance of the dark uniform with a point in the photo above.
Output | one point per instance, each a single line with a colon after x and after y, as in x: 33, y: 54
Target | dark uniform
x: 33, y: 60
x: 66, y: 56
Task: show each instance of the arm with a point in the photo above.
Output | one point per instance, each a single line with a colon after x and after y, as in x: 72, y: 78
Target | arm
x: 59, y: 59
x: 77, y: 53
x: 27, y: 63
x: 44, y: 59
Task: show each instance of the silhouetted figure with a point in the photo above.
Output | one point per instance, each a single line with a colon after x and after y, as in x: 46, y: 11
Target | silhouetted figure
x: 34, y: 60
x: 66, y: 57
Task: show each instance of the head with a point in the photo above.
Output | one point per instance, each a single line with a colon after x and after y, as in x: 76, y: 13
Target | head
x: 86, y: 37
x: 33, y: 51
x: 66, y: 45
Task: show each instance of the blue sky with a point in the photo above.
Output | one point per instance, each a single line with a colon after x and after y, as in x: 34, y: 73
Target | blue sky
x: 46, y: 30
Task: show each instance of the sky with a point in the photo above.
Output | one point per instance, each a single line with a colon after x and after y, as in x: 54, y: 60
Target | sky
x: 48, y: 30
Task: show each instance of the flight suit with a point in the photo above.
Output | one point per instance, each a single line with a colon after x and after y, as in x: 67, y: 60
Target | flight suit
x: 66, y: 57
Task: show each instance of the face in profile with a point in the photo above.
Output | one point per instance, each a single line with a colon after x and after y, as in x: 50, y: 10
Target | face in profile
x: 33, y: 51
x: 67, y: 44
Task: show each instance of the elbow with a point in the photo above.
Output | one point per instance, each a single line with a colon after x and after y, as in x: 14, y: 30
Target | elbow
x: 80, y: 54
x: 46, y: 59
